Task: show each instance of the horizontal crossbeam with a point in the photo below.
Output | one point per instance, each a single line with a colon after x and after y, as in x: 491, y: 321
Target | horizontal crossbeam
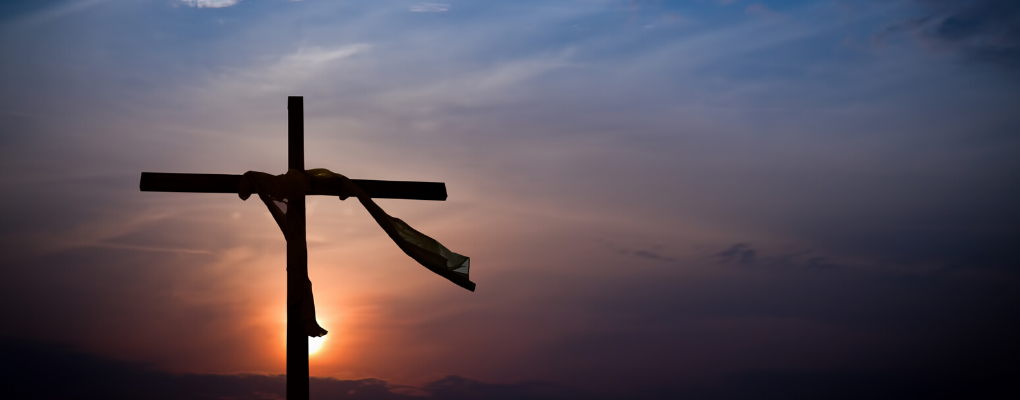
x: 223, y: 183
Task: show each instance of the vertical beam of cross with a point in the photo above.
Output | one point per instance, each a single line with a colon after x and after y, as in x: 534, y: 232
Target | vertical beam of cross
x: 297, y: 258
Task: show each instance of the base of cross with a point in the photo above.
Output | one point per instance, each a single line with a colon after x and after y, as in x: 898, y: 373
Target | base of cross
x: 289, y: 190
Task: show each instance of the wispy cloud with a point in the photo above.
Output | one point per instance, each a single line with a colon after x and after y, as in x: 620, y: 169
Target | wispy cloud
x: 759, y: 9
x: 62, y: 10
x: 316, y: 56
x: 291, y: 70
x: 430, y: 7
x: 740, y: 253
x: 984, y: 30
x: 210, y: 3
x: 147, y: 248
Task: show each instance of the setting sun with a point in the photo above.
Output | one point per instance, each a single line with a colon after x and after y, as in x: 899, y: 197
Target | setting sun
x: 315, y: 343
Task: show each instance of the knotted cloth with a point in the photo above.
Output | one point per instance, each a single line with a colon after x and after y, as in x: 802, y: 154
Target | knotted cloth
x: 274, y: 190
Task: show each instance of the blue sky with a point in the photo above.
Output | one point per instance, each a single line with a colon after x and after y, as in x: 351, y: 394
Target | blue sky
x: 654, y: 193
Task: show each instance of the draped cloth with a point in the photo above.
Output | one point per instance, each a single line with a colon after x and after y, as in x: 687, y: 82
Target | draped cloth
x: 274, y: 190
x: 425, y: 250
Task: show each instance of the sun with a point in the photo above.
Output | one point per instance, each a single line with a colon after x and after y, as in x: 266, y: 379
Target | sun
x: 315, y: 343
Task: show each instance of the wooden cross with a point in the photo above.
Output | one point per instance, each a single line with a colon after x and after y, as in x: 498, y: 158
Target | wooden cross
x: 297, y: 250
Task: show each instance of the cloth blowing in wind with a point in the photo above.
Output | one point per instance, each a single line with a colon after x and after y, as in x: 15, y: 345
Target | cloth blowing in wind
x: 274, y: 190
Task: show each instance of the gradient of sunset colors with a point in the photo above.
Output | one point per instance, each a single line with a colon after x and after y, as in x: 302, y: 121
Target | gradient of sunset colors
x: 658, y: 197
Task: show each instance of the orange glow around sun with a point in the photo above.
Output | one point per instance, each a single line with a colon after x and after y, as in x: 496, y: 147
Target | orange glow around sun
x: 314, y: 343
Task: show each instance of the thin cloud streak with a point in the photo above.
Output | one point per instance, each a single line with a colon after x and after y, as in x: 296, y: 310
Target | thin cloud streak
x: 64, y: 9
x: 430, y: 8
x: 209, y: 3
x: 145, y: 248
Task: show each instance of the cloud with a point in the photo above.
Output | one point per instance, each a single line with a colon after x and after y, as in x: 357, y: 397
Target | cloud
x: 305, y: 66
x: 62, y: 10
x: 316, y: 56
x: 210, y: 3
x: 758, y: 9
x: 746, y: 254
x: 984, y: 30
x: 651, y: 254
x: 430, y: 7
x: 740, y: 253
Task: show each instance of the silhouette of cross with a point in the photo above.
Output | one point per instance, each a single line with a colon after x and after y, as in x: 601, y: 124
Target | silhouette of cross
x: 292, y: 222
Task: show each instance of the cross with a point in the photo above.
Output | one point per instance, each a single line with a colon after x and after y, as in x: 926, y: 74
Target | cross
x: 292, y: 222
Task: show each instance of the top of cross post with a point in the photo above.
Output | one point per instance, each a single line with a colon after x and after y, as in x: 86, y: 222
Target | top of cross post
x: 296, y: 133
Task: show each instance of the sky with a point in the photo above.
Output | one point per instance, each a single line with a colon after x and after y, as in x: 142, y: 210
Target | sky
x: 705, y: 199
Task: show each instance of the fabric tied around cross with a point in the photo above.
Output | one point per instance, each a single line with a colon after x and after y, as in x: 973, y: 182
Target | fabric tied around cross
x: 428, y: 252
